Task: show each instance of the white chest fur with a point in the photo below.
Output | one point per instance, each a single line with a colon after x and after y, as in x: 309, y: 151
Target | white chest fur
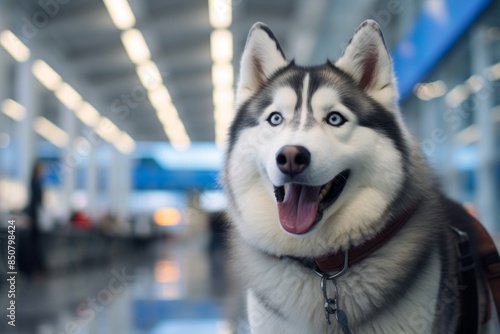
x: 286, y: 298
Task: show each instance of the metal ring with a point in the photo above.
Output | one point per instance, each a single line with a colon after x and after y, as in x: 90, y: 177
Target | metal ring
x: 337, y: 274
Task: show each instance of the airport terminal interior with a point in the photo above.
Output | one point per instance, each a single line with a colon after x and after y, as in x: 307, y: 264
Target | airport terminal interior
x: 113, y: 129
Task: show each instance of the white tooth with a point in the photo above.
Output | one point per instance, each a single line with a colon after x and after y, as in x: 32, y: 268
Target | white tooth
x: 323, y: 192
x: 321, y: 197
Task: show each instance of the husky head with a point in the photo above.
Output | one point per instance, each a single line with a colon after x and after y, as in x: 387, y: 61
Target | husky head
x: 316, y: 154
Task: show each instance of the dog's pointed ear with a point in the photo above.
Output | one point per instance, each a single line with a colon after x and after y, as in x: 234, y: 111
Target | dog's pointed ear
x: 367, y: 60
x: 261, y: 58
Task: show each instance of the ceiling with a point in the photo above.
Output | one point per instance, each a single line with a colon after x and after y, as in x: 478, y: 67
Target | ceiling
x: 79, y: 40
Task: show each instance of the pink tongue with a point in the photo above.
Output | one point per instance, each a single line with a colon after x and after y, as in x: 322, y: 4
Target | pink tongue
x: 298, y: 210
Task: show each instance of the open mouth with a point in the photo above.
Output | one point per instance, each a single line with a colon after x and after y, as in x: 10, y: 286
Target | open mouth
x: 301, y: 206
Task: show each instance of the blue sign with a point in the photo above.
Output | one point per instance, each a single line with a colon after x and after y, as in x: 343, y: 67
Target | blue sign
x: 436, y: 29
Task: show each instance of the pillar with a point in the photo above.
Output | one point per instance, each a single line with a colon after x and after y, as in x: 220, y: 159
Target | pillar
x: 69, y: 159
x: 124, y: 184
x: 5, y: 122
x: 91, y: 184
x: 25, y: 92
x: 113, y: 179
x: 486, y: 183
x: 428, y: 121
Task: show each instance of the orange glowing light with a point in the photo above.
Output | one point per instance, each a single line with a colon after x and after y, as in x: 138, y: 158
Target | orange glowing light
x: 170, y: 292
x: 167, y: 272
x: 167, y: 216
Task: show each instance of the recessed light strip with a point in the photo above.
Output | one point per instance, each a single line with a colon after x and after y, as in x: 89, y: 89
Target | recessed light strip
x: 136, y: 46
x: 220, y: 13
x: 121, y: 13
x: 221, y: 43
x: 50, y: 131
x: 69, y: 97
x: 461, y: 92
x: 147, y: 71
x: 221, y: 50
x: 13, y: 45
x: 13, y: 109
x: 46, y: 75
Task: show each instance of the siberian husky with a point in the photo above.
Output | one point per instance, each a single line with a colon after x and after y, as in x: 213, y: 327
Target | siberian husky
x: 319, y: 162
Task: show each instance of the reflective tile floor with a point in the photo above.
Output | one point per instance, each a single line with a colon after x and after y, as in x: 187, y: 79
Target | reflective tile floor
x: 174, y: 287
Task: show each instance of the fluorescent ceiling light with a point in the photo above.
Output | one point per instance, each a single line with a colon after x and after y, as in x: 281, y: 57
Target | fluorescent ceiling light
x: 136, y: 46
x: 13, y: 45
x: 159, y: 97
x: 475, y: 83
x: 222, y: 75
x: 457, y: 95
x: 120, y: 13
x: 493, y: 72
x: 46, y: 75
x: 173, y: 127
x: 223, y: 114
x: 495, y: 114
x: 223, y: 97
x: 220, y: 138
x: 222, y: 117
x: 430, y: 90
x: 107, y: 130
x: 68, y: 96
x: 88, y: 114
x: 149, y: 74
x: 221, y: 46
x: 177, y: 136
x: 50, y: 131
x: 13, y: 109
x: 125, y: 143
x: 468, y: 135
x: 221, y: 132
x: 168, y: 114
x: 220, y: 13
x: 163, y: 116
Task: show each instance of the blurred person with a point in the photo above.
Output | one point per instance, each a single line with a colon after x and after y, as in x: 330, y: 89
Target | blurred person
x: 80, y: 220
x: 142, y: 232
x: 107, y: 224
x: 33, y: 261
x: 217, y: 249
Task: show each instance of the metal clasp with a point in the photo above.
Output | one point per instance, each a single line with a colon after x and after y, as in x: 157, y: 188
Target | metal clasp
x: 337, y: 274
x: 330, y: 304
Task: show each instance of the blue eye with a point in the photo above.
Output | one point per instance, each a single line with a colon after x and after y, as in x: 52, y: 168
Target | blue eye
x: 335, y: 119
x: 275, y: 118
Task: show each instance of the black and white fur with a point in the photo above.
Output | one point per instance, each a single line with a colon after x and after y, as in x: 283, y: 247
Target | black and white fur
x: 407, y: 286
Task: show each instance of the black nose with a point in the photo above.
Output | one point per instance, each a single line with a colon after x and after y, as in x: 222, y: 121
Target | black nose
x: 292, y: 159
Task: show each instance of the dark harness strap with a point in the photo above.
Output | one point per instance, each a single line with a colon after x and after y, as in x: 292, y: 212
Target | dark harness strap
x: 469, y: 306
x: 466, y: 270
x: 490, y: 261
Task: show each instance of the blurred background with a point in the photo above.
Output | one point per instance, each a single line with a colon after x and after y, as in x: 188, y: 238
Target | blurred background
x: 113, y: 117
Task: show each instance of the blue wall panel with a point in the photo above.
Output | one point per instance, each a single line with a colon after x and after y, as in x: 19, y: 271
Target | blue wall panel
x: 438, y: 26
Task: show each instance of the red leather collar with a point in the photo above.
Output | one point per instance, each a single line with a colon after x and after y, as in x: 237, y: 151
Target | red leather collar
x: 333, y: 263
